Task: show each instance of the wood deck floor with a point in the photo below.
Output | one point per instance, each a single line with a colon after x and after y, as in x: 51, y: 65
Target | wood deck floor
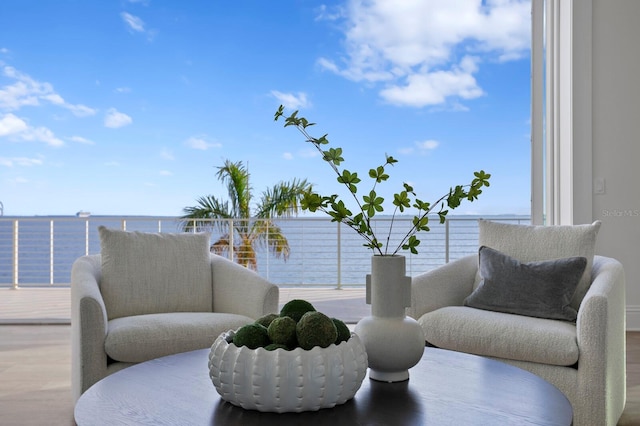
x: 35, y: 357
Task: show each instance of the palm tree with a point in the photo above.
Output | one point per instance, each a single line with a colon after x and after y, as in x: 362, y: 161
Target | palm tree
x: 249, y: 230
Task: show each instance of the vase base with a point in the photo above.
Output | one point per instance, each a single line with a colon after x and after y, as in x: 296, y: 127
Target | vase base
x: 389, y: 376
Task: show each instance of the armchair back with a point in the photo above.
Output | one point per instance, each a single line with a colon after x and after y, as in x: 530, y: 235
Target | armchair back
x: 150, y: 273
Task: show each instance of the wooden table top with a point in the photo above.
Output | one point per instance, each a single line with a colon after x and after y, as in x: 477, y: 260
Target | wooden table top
x: 445, y: 388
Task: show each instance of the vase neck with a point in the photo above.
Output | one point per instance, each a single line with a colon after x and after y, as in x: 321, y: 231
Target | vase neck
x: 388, y: 289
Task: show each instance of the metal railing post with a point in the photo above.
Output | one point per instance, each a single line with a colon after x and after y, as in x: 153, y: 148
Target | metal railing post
x: 16, y: 258
x: 86, y: 237
x: 267, y: 257
x: 231, y: 237
x: 51, y: 248
x: 339, y: 251
x: 446, y: 241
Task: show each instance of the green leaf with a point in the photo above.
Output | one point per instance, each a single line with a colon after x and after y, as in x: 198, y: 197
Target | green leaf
x: 378, y: 174
x: 372, y: 203
x: 333, y: 155
x: 421, y: 205
x: 323, y: 140
x: 420, y: 223
x: 349, y: 179
x: 402, y: 201
x: 341, y: 211
x: 411, y: 244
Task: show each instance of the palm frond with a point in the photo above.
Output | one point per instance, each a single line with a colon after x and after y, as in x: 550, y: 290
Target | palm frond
x: 236, y: 177
x: 208, y: 207
x: 283, y: 199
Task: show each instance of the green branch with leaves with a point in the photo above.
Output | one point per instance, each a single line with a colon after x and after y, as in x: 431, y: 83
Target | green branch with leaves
x: 371, y: 204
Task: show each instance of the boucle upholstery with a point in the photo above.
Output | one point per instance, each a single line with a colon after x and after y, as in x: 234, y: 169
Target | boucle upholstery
x: 143, y: 337
x: 488, y: 333
x: 236, y: 296
x: 148, y: 273
x: 596, y: 386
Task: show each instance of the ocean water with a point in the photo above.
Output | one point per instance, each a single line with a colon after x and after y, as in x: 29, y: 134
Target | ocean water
x: 41, y: 250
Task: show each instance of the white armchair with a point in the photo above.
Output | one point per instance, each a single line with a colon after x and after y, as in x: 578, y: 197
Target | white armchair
x: 585, y: 359
x: 151, y: 295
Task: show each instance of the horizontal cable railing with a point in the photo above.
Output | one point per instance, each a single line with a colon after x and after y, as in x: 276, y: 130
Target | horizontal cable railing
x: 39, y: 251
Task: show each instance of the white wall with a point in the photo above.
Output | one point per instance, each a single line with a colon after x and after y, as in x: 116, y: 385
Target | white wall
x: 615, y: 134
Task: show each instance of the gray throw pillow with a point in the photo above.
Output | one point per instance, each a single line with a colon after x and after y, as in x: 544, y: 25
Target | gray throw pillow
x: 530, y: 243
x: 538, y: 289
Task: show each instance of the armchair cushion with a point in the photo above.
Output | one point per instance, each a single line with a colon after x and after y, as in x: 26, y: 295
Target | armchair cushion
x: 538, y: 289
x: 530, y: 243
x: 144, y: 337
x: 148, y: 273
x: 500, y: 335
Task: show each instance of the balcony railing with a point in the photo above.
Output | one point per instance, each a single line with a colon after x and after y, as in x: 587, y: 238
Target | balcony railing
x: 39, y: 251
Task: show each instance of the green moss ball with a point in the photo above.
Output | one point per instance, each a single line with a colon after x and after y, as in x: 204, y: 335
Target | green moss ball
x: 282, y: 330
x: 296, y: 308
x: 274, y: 346
x: 252, y: 336
x: 315, y: 329
x: 266, y: 320
x: 344, y: 333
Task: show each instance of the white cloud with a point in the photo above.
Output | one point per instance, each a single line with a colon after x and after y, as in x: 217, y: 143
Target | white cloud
x: 133, y: 22
x: 287, y: 156
x: 80, y: 110
x: 165, y: 173
x: 136, y: 24
x: 413, y: 45
x: 434, y: 88
x: 123, y: 90
x: 200, y: 143
x: 20, y: 161
x: 15, y: 128
x: 19, y: 180
x: 4, y: 50
x: 323, y: 13
x: 27, y: 91
x: 115, y: 119
x: 422, y: 147
x: 166, y: 154
x: 81, y: 140
x: 427, y: 145
x: 292, y: 101
x: 41, y: 134
x: 10, y: 125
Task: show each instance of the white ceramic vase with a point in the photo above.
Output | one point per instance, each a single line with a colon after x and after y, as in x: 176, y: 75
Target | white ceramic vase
x: 394, y: 342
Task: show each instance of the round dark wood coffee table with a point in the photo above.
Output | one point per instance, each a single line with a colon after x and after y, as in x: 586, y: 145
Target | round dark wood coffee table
x: 445, y: 388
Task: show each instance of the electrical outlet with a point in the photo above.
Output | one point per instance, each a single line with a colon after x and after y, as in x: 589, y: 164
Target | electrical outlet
x: 598, y: 186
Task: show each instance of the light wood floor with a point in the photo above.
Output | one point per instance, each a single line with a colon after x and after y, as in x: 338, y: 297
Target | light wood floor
x: 35, y: 373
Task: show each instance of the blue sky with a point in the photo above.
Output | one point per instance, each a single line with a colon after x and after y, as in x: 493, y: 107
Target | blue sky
x: 126, y: 107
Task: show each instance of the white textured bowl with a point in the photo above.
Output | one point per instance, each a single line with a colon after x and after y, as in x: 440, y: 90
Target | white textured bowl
x: 287, y: 381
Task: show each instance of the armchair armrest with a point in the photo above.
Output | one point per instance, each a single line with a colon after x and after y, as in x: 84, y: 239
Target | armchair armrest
x: 447, y: 285
x: 88, y: 325
x: 601, y: 327
x: 239, y: 290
